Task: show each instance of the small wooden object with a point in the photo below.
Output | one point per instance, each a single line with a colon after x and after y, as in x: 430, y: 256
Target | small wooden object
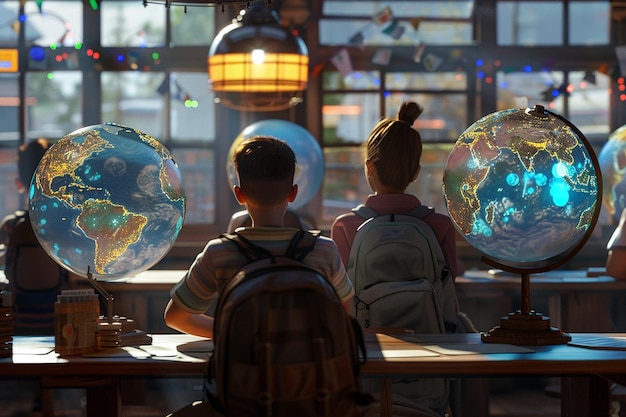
x: 76, y: 315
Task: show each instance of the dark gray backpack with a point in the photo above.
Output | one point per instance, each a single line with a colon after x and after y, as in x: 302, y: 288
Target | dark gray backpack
x: 284, y: 345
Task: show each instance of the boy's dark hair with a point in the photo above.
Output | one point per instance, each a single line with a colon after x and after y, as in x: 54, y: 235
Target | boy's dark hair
x: 395, y: 147
x: 28, y: 157
x: 265, y: 168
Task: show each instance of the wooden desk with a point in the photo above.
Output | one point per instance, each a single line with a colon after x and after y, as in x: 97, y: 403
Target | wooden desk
x: 584, y: 372
x: 574, y: 301
x: 100, y: 374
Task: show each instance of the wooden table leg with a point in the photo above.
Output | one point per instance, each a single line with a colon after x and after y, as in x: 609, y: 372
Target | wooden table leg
x: 585, y: 396
x: 386, y: 400
x: 105, y: 401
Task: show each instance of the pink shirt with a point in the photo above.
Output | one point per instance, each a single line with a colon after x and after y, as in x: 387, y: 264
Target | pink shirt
x: 344, y: 227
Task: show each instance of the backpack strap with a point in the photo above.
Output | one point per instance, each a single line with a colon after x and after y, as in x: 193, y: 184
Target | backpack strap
x: 367, y: 212
x: 363, y: 211
x: 301, y: 244
x: 422, y: 211
x: 248, y: 249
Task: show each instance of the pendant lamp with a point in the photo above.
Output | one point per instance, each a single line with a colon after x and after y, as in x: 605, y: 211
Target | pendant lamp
x: 257, y: 64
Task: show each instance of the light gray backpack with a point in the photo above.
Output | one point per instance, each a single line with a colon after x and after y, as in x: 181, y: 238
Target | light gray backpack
x: 402, y: 282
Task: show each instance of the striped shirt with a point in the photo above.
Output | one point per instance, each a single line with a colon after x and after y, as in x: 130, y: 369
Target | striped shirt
x: 219, y: 262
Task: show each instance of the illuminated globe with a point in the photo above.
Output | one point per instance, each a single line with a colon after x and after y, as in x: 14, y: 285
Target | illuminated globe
x: 522, y: 187
x: 612, y: 160
x: 309, y: 158
x: 108, y: 198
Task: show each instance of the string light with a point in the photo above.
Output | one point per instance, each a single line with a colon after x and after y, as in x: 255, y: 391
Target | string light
x: 201, y: 3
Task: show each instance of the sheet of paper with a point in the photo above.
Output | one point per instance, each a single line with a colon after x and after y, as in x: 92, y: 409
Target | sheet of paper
x: 599, y: 342
x: 158, y: 350
x: 197, y: 346
x: 401, y: 353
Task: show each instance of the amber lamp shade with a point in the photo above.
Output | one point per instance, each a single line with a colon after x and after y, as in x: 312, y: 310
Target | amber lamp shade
x: 257, y: 63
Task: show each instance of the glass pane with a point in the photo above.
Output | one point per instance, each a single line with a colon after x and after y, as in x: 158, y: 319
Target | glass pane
x: 58, y: 23
x: 132, y: 24
x: 444, y: 117
x: 595, y: 17
x: 356, y: 80
x: 349, y: 117
x: 345, y: 185
x: 196, y: 27
x: 445, y: 33
x: 132, y: 99
x: 529, y: 23
x: 11, y: 199
x: 397, y: 32
x: 192, y: 109
x: 527, y: 89
x: 197, y: 166
x: 8, y: 31
x: 9, y: 107
x: 588, y: 104
x: 429, y: 183
x: 404, y: 8
x: 426, y: 81
x: 54, y: 103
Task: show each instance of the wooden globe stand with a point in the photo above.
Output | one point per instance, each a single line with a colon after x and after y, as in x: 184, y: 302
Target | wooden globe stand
x: 526, y: 326
x: 118, y: 331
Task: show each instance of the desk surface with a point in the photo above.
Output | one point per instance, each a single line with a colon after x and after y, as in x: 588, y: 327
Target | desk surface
x: 465, y: 354
x: 178, y: 355
x: 174, y: 355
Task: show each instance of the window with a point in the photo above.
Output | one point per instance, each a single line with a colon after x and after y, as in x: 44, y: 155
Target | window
x: 541, y: 23
x: 396, y: 23
x: 583, y: 100
x: 146, y: 68
x: 351, y: 107
x: 131, y: 24
x: 54, y: 107
x: 128, y: 83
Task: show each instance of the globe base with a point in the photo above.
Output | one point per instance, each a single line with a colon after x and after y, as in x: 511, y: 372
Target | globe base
x: 531, y: 329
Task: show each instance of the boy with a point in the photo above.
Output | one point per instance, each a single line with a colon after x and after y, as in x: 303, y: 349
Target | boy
x: 265, y: 169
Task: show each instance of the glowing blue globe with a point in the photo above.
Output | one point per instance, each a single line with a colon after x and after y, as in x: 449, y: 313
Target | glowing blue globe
x: 612, y: 160
x: 522, y: 187
x: 309, y: 158
x: 108, y: 198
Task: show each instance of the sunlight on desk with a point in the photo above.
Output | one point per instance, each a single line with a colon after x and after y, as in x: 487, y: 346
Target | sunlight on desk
x: 473, y: 349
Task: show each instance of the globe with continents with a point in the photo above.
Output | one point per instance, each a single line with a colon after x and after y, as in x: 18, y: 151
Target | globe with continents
x: 108, y: 199
x: 309, y: 158
x: 612, y: 160
x: 522, y: 187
